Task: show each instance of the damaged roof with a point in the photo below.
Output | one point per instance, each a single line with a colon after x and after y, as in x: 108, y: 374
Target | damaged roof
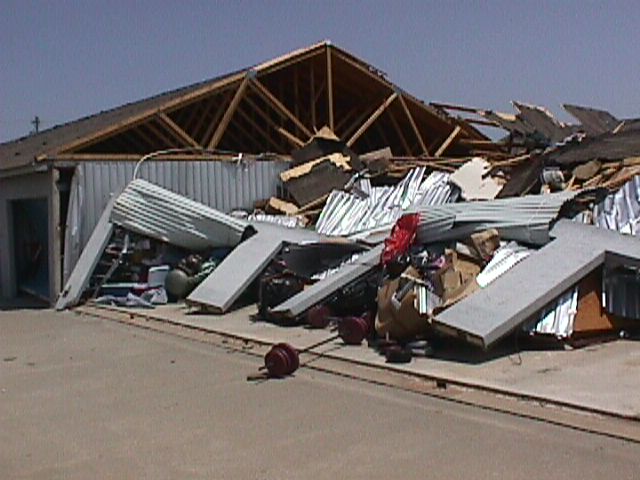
x: 274, y: 106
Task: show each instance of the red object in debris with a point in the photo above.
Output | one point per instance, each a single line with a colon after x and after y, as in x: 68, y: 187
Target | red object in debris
x: 292, y: 353
x: 402, y: 236
x: 353, y: 330
x: 281, y: 360
x: 319, y: 316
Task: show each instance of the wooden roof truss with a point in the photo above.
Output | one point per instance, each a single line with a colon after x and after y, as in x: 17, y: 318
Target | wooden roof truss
x: 277, y: 106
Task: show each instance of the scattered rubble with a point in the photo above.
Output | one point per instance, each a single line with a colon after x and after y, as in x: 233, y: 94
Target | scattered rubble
x: 532, y: 236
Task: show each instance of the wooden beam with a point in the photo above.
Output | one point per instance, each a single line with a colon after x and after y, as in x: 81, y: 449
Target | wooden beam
x: 312, y: 95
x: 226, y: 118
x: 479, y: 143
x: 488, y: 123
x: 423, y: 146
x: 295, y: 141
x: 371, y: 73
x: 290, y: 58
x: 285, y: 133
x: 403, y: 139
x: 233, y: 136
x: 320, y: 91
x: 355, y: 123
x: 279, y: 106
x: 215, y: 119
x: 452, y: 136
x: 139, y: 131
x: 345, y: 118
x: 367, y: 71
x: 372, y: 118
x: 130, y: 157
x: 383, y: 134
x: 160, y: 134
x: 250, y: 142
x: 191, y: 96
x: 117, y: 127
x: 138, y: 142
x: 296, y: 92
x: 196, y: 109
x: 117, y: 143
x: 260, y: 111
x: 179, y: 132
x: 259, y: 129
x: 457, y: 108
x: 330, y: 88
x: 208, y: 105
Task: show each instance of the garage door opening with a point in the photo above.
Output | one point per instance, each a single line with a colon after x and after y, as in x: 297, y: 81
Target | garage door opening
x: 31, y: 246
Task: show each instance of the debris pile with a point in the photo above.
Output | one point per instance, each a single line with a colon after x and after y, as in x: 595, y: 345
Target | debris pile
x: 532, y: 236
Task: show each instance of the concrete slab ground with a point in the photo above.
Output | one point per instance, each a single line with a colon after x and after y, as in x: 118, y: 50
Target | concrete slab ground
x: 82, y: 397
x: 602, y: 378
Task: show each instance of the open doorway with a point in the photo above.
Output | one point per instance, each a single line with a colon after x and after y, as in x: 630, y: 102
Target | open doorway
x: 31, y: 246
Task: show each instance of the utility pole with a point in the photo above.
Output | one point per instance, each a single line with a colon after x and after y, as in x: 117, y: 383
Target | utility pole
x: 36, y: 124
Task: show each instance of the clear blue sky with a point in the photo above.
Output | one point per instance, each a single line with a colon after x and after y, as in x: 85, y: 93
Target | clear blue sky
x: 65, y: 59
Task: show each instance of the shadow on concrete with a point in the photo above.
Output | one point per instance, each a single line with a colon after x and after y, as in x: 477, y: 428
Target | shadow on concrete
x: 23, y: 303
x: 449, y: 349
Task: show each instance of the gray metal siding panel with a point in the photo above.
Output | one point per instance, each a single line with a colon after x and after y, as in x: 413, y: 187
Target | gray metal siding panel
x: 159, y: 213
x: 221, y: 185
x: 494, y: 311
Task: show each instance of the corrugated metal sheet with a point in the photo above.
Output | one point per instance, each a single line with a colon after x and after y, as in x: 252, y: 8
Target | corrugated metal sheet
x: 505, y: 258
x: 620, y: 211
x: 159, y: 213
x: 221, y: 185
x: 326, y: 287
x: 347, y: 214
x: 558, y: 317
x: 525, y: 219
x: 283, y: 220
x: 621, y: 292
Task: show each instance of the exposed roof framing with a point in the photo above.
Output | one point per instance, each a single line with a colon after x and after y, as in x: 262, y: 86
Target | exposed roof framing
x: 272, y: 107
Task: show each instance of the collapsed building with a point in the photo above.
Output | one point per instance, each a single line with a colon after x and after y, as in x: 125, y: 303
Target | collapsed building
x: 223, y: 142
x: 315, y: 188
